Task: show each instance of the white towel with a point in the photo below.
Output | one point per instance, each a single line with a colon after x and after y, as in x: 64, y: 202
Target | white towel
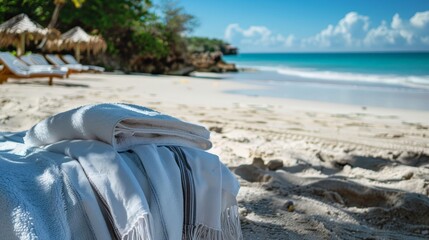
x: 144, y: 196
x: 180, y: 192
x: 209, y: 210
x: 122, y: 200
x: 119, y: 125
x: 44, y: 195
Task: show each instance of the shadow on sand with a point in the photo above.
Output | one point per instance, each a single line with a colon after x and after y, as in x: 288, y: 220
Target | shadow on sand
x: 374, y: 212
x: 45, y: 83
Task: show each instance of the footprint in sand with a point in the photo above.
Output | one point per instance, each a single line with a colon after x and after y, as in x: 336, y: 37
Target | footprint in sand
x: 383, y: 205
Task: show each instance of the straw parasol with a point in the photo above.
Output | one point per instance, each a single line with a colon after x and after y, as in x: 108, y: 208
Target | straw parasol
x: 19, y: 29
x: 77, y: 39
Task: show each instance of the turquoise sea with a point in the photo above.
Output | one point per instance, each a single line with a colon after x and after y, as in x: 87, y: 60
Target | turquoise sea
x: 394, y: 80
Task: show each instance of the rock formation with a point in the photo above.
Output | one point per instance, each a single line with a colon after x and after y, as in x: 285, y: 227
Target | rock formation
x: 211, y: 62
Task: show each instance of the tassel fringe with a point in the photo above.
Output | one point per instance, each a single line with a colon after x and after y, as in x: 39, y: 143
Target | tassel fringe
x: 140, y: 231
x: 230, y: 228
x: 230, y: 224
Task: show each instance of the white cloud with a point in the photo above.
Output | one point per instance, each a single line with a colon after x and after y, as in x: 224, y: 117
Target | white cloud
x: 396, y: 22
x: 420, y: 19
x: 352, y: 32
x: 348, y: 32
x: 384, y: 36
x: 256, y: 36
x: 425, y: 40
x: 286, y: 41
x: 410, y: 33
x: 260, y: 33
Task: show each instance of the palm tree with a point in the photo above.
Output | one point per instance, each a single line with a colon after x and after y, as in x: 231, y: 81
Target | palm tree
x: 54, y: 19
x: 58, y: 5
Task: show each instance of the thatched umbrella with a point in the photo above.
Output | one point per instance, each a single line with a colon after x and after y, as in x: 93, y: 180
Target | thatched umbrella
x: 19, y: 29
x: 77, y: 39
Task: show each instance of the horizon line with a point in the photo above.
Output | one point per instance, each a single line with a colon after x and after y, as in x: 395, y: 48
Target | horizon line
x: 345, y: 52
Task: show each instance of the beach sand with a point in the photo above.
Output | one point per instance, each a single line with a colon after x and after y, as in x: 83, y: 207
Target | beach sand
x: 308, y: 170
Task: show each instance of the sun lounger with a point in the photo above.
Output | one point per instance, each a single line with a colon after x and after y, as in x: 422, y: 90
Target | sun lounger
x: 27, y: 60
x: 71, y: 60
x: 56, y: 60
x: 38, y: 60
x: 15, y: 68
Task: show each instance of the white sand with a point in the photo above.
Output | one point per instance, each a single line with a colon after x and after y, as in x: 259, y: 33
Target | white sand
x: 350, y: 173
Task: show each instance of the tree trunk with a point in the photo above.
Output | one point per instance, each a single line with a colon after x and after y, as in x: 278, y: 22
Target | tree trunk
x: 52, y: 23
x: 55, y: 15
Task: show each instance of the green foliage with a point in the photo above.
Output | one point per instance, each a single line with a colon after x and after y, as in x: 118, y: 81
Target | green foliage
x: 150, y: 44
x: 39, y: 10
x: 203, y: 44
x: 78, y: 3
x: 176, y: 20
x: 176, y: 23
x: 131, y: 28
x: 104, y: 16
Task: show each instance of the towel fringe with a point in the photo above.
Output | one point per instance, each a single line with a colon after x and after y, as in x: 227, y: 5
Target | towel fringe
x: 140, y: 230
x: 230, y: 224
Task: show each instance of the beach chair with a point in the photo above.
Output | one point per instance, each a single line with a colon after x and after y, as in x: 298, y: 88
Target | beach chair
x: 39, y: 60
x: 56, y: 60
x: 71, y: 60
x: 13, y: 67
x: 27, y: 60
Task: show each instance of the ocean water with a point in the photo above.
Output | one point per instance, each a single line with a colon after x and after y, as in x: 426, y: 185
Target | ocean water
x: 394, y: 80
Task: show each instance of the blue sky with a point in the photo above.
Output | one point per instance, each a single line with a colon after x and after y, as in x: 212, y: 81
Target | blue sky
x: 314, y: 25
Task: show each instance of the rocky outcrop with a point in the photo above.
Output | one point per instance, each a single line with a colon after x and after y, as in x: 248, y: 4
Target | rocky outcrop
x: 229, y: 50
x: 184, y: 65
x: 202, y: 62
x: 211, y: 62
x: 169, y: 65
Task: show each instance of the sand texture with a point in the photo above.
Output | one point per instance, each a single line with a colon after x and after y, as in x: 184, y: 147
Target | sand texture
x: 308, y: 170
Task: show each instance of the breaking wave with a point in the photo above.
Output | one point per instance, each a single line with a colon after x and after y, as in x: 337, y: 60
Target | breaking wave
x: 409, y: 81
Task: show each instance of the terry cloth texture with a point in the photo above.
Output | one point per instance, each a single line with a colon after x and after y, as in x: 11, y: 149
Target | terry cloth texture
x: 44, y: 195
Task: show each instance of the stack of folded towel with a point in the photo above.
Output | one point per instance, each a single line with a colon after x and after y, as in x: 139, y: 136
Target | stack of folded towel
x: 115, y: 171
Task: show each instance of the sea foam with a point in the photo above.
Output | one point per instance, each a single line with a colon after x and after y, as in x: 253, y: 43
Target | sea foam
x: 308, y: 73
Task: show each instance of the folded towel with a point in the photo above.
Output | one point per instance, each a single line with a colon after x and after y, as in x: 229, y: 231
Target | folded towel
x: 178, y: 190
x: 120, y: 125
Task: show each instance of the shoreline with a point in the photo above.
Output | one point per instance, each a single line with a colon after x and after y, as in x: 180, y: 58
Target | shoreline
x: 349, y: 173
x: 210, y: 84
x: 387, y: 95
